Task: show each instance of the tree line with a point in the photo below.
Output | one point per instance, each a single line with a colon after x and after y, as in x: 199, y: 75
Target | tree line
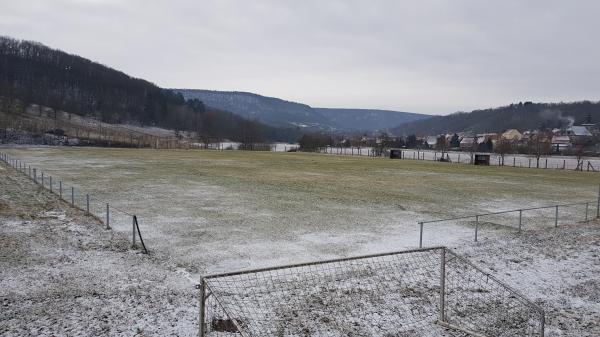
x: 31, y: 73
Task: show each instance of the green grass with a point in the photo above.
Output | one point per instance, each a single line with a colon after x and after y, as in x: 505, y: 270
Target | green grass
x: 339, y: 179
x: 217, y: 211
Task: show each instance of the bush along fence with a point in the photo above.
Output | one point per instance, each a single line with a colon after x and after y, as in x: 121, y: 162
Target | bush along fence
x: 512, y: 160
x: 407, y: 293
x: 533, y: 217
x: 100, y: 210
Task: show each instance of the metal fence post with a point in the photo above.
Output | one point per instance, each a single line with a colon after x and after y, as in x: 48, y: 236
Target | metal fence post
x: 421, y: 235
x: 443, y: 285
x: 598, y: 207
x: 520, y: 219
x: 60, y: 189
x: 556, y: 217
x: 587, y: 207
x: 476, y: 226
x: 51, y: 184
x: 73, y: 196
x: 107, y: 216
x: 42, y: 179
x: 87, y: 203
x: 202, y: 325
x: 35, y: 176
x: 133, y: 226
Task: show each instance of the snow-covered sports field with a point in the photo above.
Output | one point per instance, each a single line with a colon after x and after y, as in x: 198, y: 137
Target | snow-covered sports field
x: 215, y: 211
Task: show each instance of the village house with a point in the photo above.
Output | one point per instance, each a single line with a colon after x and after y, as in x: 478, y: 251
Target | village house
x: 561, y: 143
x: 579, y: 135
x: 467, y: 143
x: 431, y: 141
x: 512, y: 135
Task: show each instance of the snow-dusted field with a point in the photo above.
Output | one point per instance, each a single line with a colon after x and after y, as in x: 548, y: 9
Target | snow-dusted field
x: 63, y: 274
x: 214, y: 211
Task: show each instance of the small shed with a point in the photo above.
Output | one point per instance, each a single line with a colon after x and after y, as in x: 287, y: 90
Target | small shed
x: 395, y: 153
x: 482, y: 159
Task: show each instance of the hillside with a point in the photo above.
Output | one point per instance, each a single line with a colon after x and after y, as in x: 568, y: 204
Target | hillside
x: 31, y: 73
x: 369, y: 119
x: 281, y: 113
x: 527, y: 116
x: 269, y: 110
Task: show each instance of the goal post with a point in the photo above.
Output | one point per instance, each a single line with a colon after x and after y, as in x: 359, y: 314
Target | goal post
x: 418, y: 292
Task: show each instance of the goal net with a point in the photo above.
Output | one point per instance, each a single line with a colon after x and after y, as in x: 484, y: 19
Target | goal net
x: 424, y: 292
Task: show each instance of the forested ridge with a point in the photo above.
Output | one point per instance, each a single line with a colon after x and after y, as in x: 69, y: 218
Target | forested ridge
x: 32, y: 73
x: 521, y: 116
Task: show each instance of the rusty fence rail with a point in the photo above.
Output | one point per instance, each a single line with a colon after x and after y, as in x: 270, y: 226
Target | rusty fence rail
x: 102, y: 211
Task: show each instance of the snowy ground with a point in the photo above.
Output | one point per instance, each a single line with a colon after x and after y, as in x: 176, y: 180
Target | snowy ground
x: 214, y: 211
x: 63, y: 274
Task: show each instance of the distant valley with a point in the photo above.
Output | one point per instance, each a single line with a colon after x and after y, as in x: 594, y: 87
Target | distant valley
x: 281, y: 113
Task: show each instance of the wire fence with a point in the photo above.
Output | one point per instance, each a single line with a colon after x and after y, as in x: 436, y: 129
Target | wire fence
x: 101, y: 210
x: 590, y: 164
x: 410, y: 293
x: 517, y: 219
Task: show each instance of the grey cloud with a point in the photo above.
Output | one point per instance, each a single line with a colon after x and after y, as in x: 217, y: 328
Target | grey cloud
x: 429, y: 56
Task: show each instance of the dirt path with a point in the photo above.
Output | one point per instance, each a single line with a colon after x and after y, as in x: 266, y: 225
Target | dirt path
x: 63, y: 274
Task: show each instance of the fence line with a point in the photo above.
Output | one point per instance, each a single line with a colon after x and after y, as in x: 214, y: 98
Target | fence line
x: 513, y: 160
x: 477, y: 217
x: 86, y: 205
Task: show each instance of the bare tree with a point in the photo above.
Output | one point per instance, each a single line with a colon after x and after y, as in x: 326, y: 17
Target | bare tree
x: 578, y: 152
x: 538, y: 146
x: 442, y: 145
x: 503, y: 147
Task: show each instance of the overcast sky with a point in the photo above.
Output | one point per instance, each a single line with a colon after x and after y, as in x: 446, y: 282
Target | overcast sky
x: 419, y: 56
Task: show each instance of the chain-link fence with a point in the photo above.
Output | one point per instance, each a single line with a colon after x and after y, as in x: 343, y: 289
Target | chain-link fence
x: 424, y: 292
x: 591, y: 164
x: 101, y: 210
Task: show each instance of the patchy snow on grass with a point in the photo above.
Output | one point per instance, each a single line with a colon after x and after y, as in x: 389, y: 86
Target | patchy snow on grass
x: 204, y: 212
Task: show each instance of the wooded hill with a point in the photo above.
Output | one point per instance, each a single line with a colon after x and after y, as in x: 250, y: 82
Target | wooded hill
x: 521, y: 116
x: 281, y: 113
x: 33, y: 73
